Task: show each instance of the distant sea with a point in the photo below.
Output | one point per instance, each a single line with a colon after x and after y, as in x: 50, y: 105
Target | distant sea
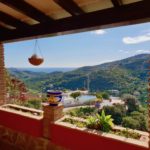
x: 46, y: 70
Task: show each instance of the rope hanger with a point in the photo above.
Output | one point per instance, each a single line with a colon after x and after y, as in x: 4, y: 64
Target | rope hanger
x: 35, y: 59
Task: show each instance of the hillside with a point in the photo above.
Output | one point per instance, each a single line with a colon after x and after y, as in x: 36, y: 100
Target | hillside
x: 127, y: 75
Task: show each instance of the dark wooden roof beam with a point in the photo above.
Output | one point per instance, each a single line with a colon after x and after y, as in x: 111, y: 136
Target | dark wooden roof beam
x: 7, y: 19
x: 111, y: 17
x: 27, y: 9
x: 117, y: 3
x: 70, y: 6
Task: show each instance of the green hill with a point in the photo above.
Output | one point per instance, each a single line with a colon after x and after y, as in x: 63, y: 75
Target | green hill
x: 128, y: 76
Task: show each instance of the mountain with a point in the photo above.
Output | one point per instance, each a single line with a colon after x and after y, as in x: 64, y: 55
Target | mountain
x: 128, y: 76
x: 44, y: 70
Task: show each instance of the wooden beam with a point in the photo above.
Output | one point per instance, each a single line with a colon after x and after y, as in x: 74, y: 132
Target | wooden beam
x: 3, y: 30
x: 7, y: 19
x: 70, y: 6
x: 128, y: 14
x: 117, y: 3
x: 27, y: 9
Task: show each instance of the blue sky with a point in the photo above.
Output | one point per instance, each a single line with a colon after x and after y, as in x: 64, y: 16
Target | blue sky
x: 83, y: 49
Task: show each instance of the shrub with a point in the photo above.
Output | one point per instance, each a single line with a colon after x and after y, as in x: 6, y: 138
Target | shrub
x: 92, y: 123
x: 130, y: 122
x: 33, y: 103
x: 105, y: 95
x: 142, y: 119
x: 75, y: 94
x: 117, y: 112
x: 83, y: 112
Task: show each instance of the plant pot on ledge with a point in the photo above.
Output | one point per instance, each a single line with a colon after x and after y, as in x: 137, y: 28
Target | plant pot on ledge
x: 54, y: 97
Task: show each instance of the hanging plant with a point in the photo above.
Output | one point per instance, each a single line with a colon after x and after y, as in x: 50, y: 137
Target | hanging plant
x: 35, y: 59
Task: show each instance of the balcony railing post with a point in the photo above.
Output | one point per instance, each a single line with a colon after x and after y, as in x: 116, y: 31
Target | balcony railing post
x: 51, y: 114
x: 2, y: 76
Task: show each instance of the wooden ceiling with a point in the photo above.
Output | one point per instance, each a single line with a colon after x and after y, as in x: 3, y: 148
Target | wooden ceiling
x: 26, y: 19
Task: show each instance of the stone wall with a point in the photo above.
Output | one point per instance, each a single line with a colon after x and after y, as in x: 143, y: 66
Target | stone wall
x: 20, y: 141
x: 2, y: 76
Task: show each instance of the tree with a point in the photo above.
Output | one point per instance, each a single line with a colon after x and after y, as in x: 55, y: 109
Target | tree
x: 99, y: 96
x: 105, y: 95
x: 75, y: 95
x: 117, y: 112
x: 131, y: 102
x: 130, y: 122
x: 142, y: 118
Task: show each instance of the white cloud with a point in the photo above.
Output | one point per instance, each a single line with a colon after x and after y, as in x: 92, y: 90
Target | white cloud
x: 136, y: 39
x: 124, y: 51
x: 99, y: 32
x: 142, y: 51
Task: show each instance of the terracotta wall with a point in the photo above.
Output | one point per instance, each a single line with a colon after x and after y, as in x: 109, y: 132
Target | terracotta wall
x: 65, y: 137
x: 78, y: 140
x: 21, y: 124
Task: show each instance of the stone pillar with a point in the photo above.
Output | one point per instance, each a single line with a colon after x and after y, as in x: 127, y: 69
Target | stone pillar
x: 51, y: 114
x: 2, y: 76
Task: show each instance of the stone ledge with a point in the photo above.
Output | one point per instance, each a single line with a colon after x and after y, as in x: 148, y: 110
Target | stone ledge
x: 21, y: 113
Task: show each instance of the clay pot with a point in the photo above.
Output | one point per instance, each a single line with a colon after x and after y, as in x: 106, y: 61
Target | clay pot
x: 35, y: 60
x: 54, y: 97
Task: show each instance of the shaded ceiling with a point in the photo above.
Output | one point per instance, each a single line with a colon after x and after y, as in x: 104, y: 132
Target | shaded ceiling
x: 26, y: 19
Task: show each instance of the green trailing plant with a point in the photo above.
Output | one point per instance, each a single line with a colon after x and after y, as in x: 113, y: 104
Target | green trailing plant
x: 127, y: 133
x: 79, y: 124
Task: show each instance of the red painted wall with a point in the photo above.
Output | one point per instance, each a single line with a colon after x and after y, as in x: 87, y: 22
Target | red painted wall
x: 63, y: 136
x: 78, y: 140
x: 20, y: 123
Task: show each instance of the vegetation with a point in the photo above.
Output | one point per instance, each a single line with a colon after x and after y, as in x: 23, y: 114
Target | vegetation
x: 99, y: 96
x: 117, y: 112
x: 123, y: 75
x: 79, y: 124
x: 33, y: 103
x: 131, y: 102
x: 136, y: 120
x: 127, y: 133
x: 82, y: 112
x: 105, y: 95
x: 100, y: 122
x: 75, y: 95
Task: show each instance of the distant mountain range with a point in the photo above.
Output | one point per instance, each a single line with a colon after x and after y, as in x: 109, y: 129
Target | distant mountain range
x: 128, y: 76
x: 46, y: 70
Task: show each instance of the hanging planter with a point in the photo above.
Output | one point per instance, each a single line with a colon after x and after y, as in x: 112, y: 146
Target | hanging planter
x: 35, y: 59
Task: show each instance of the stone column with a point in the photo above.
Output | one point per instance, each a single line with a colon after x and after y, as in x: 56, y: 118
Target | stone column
x: 2, y: 76
x: 51, y: 114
